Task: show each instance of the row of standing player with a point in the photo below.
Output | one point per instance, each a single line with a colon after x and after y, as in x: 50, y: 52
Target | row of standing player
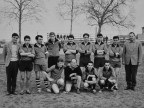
x: 51, y: 51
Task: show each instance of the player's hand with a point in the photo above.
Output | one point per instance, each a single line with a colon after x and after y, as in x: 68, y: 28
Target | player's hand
x: 117, y: 54
x: 139, y: 63
x: 68, y: 52
x: 51, y: 79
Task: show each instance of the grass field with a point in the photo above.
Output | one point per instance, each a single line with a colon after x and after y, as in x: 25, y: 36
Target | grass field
x: 119, y: 99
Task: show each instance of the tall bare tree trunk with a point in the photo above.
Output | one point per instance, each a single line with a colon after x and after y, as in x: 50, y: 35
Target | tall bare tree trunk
x: 99, y: 28
x: 71, y: 27
x: 20, y: 23
x: 19, y: 30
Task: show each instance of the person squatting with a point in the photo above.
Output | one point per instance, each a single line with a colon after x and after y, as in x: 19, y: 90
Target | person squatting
x: 66, y: 75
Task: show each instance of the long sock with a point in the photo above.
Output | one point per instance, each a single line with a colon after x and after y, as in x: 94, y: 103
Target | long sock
x: 46, y: 83
x: 38, y: 84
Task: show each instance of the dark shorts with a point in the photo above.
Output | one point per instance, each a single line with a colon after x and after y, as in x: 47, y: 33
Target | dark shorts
x: 107, y: 84
x: 52, y: 60
x: 25, y: 66
x: 84, y: 61
x: 115, y: 64
x: 99, y: 62
x: 38, y: 67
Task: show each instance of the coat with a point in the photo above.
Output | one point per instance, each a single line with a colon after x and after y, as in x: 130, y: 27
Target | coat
x: 132, y: 51
x: 7, y: 52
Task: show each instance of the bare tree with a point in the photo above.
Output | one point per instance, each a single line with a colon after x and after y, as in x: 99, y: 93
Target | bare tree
x: 22, y: 11
x: 109, y: 12
x: 69, y: 10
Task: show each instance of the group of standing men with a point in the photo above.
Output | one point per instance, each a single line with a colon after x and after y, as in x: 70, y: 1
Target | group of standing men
x: 66, y: 74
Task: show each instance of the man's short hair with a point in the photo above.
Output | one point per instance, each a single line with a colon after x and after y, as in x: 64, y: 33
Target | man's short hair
x: 115, y: 37
x: 99, y: 35
x: 89, y: 62
x: 15, y: 34
x: 85, y: 34
x: 70, y: 36
x: 52, y: 33
x: 107, y: 61
x: 132, y: 33
x: 38, y: 37
x: 27, y: 37
x: 60, y: 60
x: 73, y: 59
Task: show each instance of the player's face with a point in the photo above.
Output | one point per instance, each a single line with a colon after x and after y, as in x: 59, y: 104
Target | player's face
x: 116, y: 41
x: 39, y: 41
x: 131, y: 37
x: 90, y: 65
x: 99, y: 39
x: 52, y: 37
x: 27, y: 41
x: 71, y: 40
x: 73, y: 63
x: 60, y: 64
x: 86, y: 38
x: 15, y: 39
x: 107, y: 65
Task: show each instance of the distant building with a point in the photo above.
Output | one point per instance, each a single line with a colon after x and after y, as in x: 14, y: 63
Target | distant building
x: 141, y: 36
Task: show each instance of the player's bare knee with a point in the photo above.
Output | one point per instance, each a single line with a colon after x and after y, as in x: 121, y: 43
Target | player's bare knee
x: 55, y: 88
x: 61, y: 82
x: 93, y: 79
x: 102, y: 82
x: 86, y: 85
x: 79, y: 78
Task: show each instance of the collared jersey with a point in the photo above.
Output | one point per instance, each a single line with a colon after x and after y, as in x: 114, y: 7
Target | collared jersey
x: 53, y: 48
x: 40, y: 57
x: 113, y: 50
x: 26, y: 49
x: 85, y: 47
x: 101, y: 46
x: 69, y: 46
x: 107, y: 73
x: 90, y: 72
x: 56, y: 72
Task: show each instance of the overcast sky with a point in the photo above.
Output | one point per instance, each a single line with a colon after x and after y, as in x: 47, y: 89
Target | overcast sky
x: 53, y: 22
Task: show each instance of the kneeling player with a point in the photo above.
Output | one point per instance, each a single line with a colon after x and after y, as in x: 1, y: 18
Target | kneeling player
x: 73, y: 76
x: 107, y: 77
x: 57, y: 74
x: 90, y: 77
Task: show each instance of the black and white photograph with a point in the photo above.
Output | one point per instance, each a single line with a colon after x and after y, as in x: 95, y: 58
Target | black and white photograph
x: 71, y: 54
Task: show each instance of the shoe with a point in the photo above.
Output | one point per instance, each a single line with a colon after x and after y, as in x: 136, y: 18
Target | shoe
x: 78, y: 91
x: 114, y: 91
x: 22, y: 92
x: 65, y: 92
x: 14, y: 93
x: 100, y: 91
x: 8, y: 93
x: 94, y: 91
x: 132, y: 88
x: 127, y: 88
x: 28, y: 92
x: 39, y: 91
x: 48, y: 90
x: 115, y: 88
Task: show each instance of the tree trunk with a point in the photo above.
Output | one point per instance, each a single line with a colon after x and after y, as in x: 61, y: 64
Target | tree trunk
x: 19, y: 30
x: 71, y: 27
x: 99, y: 29
x: 20, y: 22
